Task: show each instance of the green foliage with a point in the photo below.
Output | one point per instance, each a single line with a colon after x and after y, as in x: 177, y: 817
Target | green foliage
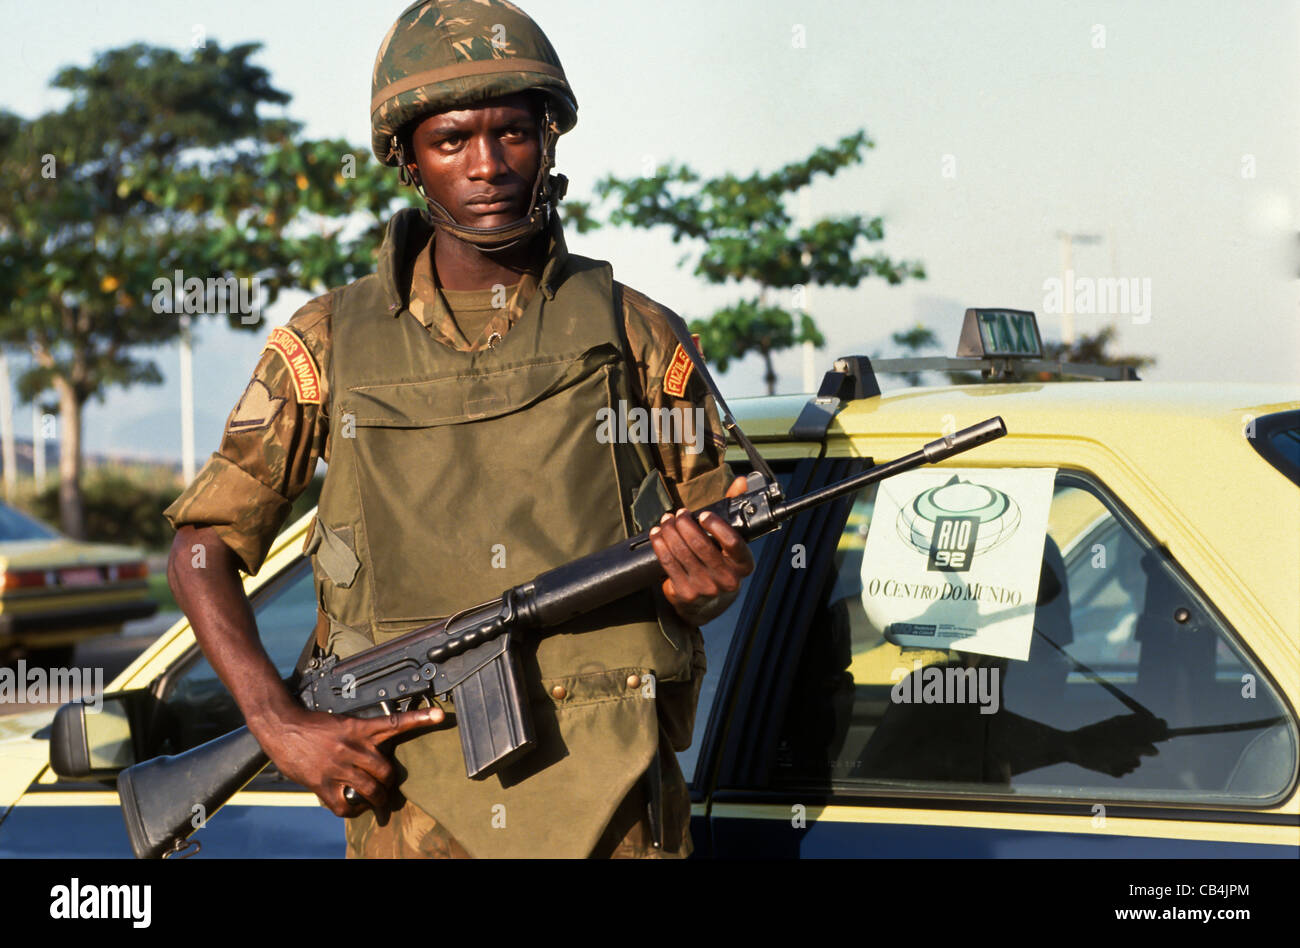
x: 122, y: 505
x: 749, y: 235
x: 125, y: 504
x: 1092, y: 350
x: 748, y: 326
x: 160, y: 162
x: 748, y: 231
x: 577, y: 216
x: 160, y: 591
x: 914, y: 340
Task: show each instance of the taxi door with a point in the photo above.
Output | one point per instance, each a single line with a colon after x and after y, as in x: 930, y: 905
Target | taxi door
x: 271, y: 817
x: 812, y: 754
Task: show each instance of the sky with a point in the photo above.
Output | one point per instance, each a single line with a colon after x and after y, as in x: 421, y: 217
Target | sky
x: 1168, y: 133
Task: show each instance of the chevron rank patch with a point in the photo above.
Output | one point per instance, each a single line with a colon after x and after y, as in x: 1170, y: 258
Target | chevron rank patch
x: 256, y: 409
x: 679, y: 369
x: 306, y: 377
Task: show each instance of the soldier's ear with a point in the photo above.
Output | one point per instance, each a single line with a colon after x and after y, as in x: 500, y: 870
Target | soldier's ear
x: 413, y: 172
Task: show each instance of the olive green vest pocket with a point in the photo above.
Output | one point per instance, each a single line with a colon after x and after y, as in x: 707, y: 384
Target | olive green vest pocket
x: 596, y: 734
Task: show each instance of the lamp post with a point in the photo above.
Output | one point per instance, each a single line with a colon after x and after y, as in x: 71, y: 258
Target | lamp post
x: 1067, y: 279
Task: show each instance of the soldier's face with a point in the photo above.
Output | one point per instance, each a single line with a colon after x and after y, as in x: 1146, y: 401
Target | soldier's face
x: 480, y: 163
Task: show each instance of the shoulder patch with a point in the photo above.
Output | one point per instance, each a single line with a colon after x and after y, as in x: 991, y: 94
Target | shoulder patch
x: 680, y: 369
x: 306, y: 376
x: 256, y: 409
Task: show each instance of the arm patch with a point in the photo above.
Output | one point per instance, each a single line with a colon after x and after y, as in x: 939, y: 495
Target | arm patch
x: 306, y: 376
x: 680, y: 369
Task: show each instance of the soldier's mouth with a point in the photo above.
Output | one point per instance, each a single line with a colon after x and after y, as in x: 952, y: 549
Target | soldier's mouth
x: 494, y: 207
x: 493, y: 202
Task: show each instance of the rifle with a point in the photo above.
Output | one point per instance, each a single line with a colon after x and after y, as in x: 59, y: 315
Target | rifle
x: 469, y: 656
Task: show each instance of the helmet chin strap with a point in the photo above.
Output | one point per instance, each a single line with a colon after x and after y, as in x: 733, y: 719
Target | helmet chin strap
x: 548, y: 189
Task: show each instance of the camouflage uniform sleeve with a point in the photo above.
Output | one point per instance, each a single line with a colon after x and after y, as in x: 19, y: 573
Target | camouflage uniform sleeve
x: 693, y: 466
x: 272, y: 440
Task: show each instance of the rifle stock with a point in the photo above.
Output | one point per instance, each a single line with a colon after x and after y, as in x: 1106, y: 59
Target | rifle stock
x: 166, y: 799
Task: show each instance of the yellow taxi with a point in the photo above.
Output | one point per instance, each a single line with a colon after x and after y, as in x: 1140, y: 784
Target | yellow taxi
x: 55, y: 592
x: 1153, y: 715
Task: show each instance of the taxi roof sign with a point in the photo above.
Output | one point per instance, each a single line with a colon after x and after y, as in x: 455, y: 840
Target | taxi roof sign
x: 1003, y: 345
x: 1000, y: 333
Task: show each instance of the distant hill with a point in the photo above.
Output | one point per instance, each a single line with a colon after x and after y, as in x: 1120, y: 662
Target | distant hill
x: 25, y: 460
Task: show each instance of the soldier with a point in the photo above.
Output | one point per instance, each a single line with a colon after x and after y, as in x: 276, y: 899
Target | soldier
x: 455, y: 395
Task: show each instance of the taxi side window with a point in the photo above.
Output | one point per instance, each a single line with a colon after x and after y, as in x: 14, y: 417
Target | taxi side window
x: 1134, y: 687
x: 196, y: 706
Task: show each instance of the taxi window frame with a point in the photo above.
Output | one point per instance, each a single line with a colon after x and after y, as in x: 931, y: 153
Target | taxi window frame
x: 290, y: 573
x: 162, y: 685
x: 753, y: 715
x: 754, y: 784
x: 763, y: 585
x: 1265, y: 427
x: 1073, y: 477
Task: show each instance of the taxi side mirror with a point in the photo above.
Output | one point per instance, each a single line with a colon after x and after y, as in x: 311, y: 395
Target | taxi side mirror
x: 90, y: 744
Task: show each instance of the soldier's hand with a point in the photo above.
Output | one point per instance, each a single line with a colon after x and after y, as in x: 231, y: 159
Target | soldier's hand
x: 1117, y: 745
x: 326, y: 753
x: 705, y: 560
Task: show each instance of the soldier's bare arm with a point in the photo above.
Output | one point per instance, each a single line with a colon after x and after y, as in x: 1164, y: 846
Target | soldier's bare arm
x: 232, y: 512
x: 322, y: 752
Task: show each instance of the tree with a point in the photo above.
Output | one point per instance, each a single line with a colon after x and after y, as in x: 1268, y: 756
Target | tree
x: 749, y: 237
x: 914, y: 340
x: 1091, y: 350
x: 159, y: 163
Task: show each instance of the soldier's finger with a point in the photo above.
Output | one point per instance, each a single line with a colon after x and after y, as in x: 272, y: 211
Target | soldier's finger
x: 399, y: 722
x: 363, y: 754
x: 681, y: 552
x: 705, y: 550
x: 733, y: 545
x: 366, y: 786
x: 676, y: 575
x: 737, y: 487
x: 339, y: 805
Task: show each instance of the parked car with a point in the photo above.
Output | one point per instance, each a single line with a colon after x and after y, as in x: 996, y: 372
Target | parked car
x: 55, y: 592
x: 1186, y: 641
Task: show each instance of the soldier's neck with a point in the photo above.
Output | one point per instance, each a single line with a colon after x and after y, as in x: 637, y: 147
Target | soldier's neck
x: 462, y: 266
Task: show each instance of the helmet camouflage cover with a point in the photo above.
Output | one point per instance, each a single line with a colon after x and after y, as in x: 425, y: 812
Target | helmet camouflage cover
x: 446, y: 54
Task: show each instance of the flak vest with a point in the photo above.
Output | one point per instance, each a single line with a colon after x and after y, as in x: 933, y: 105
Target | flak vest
x: 456, y: 475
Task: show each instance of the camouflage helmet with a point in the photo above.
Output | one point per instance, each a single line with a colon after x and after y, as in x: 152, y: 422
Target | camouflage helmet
x: 447, y: 54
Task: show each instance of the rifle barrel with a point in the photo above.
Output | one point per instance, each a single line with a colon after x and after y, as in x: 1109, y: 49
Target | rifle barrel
x: 932, y: 453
